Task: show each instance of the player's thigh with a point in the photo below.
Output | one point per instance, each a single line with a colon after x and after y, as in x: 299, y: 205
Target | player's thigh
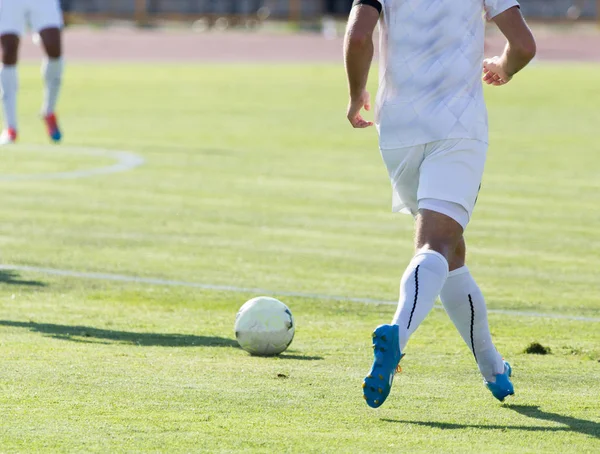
x: 52, y: 42
x: 452, y: 171
x: 45, y: 14
x: 403, y: 169
x: 12, y: 17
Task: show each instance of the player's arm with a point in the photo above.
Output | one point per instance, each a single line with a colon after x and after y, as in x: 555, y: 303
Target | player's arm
x: 358, y: 55
x: 519, y: 51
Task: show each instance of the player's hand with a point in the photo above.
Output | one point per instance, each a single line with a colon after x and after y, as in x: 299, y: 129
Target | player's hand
x: 354, y: 108
x: 494, y: 73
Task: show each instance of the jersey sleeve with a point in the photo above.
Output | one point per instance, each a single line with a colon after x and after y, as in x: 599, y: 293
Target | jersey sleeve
x: 377, y: 4
x: 495, y: 7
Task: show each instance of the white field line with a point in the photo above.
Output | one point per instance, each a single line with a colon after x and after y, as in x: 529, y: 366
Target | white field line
x: 125, y: 160
x: 250, y: 290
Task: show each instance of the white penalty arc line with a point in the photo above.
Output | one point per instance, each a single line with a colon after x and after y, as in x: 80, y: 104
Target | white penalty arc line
x: 125, y: 160
x: 250, y: 290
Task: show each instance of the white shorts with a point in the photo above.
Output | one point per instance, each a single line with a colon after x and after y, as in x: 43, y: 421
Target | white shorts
x: 15, y: 15
x: 442, y: 176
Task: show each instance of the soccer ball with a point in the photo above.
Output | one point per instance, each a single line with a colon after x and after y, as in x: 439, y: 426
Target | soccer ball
x: 264, y: 326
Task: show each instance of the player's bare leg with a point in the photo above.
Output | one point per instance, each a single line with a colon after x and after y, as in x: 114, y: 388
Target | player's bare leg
x: 52, y: 71
x: 465, y: 304
x: 9, y: 83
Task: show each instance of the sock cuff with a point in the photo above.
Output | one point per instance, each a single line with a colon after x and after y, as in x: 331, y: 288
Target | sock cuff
x: 458, y: 271
x: 432, y: 253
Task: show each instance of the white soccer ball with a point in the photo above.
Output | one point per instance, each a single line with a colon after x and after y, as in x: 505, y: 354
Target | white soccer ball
x: 264, y: 326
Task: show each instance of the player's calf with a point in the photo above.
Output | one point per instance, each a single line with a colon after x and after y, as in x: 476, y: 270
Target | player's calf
x: 52, y: 70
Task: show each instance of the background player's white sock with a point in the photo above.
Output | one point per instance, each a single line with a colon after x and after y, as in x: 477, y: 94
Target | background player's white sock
x: 465, y: 305
x: 419, y: 288
x: 9, y: 83
x: 52, y: 70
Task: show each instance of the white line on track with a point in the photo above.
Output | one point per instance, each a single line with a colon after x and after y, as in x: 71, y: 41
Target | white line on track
x: 125, y: 160
x: 233, y: 289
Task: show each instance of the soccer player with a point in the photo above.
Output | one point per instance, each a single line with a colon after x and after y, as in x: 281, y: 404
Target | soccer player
x: 45, y: 18
x: 433, y: 134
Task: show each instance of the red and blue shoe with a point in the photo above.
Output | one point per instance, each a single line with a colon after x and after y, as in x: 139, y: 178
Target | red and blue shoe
x: 52, y: 127
x: 502, y: 387
x: 8, y: 136
x: 386, y: 349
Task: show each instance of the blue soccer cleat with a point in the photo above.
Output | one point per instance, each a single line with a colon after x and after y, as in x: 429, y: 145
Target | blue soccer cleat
x: 503, y: 386
x: 386, y: 349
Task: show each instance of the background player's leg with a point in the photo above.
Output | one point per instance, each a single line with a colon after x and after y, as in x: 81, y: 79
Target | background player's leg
x: 9, y: 84
x: 329, y: 28
x: 52, y: 71
x: 464, y: 303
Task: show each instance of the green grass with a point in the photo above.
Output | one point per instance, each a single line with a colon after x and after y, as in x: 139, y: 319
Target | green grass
x: 254, y: 179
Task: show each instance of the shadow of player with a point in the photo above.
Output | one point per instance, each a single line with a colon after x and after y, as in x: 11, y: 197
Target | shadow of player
x: 87, y: 334
x: 91, y: 335
x: 582, y: 426
x: 12, y: 278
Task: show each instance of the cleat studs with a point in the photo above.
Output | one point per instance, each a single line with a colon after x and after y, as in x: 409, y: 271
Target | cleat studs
x: 380, y: 390
x: 380, y: 377
x: 376, y: 402
x: 369, y: 376
x: 364, y: 385
x: 374, y: 335
x: 364, y: 397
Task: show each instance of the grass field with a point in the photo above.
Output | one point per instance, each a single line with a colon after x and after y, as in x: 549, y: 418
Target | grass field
x: 253, y: 179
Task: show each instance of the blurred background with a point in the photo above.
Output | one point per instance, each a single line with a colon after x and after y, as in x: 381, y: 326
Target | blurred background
x: 207, y: 159
x: 318, y: 15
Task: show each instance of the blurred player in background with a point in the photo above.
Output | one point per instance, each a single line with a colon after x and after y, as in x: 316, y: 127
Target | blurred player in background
x: 256, y: 11
x: 575, y: 10
x: 45, y: 19
x: 333, y: 9
x: 433, y: 137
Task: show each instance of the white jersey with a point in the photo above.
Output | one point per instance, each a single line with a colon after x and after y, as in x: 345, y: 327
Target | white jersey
x: 431, y: 56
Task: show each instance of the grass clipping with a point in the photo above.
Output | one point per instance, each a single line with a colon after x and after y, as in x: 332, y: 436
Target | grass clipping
x: 535, y: 348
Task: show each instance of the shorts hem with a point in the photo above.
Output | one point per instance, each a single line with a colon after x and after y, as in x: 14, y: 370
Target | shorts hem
x: 418, y: 143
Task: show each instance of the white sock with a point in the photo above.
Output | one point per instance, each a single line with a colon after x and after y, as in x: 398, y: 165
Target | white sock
x: 419, y: 288
x: 9, y: 83
x: 52, y: 70
x: 465, y: 305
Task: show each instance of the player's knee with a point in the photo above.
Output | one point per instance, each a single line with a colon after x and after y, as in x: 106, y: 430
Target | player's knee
x: 438, y: 232
x: 53, y: 50
x: 51, y: 40
x: 458, y: 258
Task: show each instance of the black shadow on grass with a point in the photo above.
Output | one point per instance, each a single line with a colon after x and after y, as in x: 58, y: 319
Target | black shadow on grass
x: 89, y: 335
x: 299, y: 357
x: 582, y: 426
x: 450, y: 425
x: 12, y: 278
x: 75, y: 333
